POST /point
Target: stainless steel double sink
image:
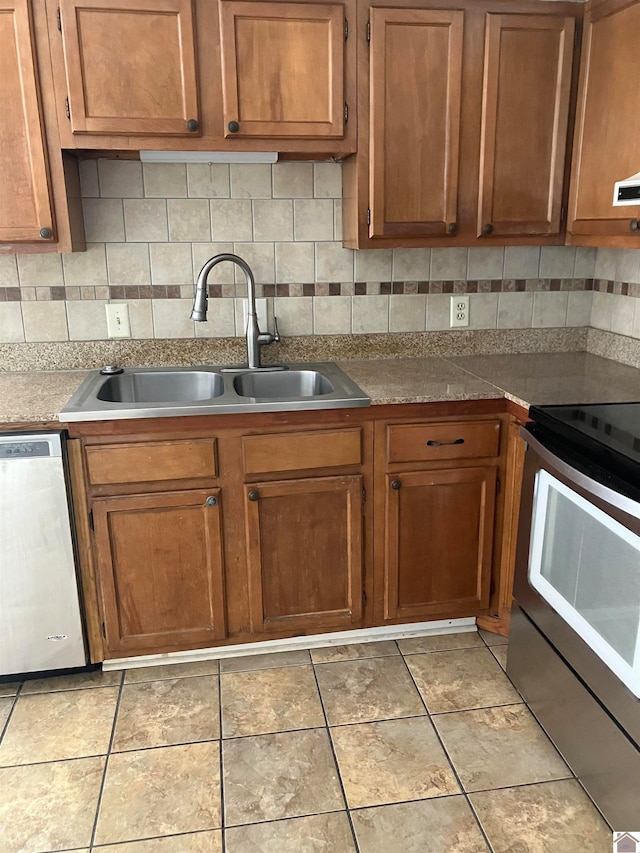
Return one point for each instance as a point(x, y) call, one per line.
point(166, 392)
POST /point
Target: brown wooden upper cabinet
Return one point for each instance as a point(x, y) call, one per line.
point(606, 146)
point(130, 67)
point(283, 68)
point(463, 132)
point(26, 212)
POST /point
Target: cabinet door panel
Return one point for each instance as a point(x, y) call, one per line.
point(283, 68)
point(304, 549)
point(439, 533)
point(25, 204)
point(160, 564)
point(131, 66)
point(416, 72)
point(525, 108)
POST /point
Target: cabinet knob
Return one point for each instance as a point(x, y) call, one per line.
point(634, 225)
point(452, 227)
point(45, 233)
point(395, 485)
point(487, 229)
point(193, 125)
point(212, 501)
point(233, 126)
point(253, 495)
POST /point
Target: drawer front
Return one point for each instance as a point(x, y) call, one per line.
point(300, 451)
point(451, 440)
point(152, 461)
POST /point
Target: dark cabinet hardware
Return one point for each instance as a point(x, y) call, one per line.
point(434, 443)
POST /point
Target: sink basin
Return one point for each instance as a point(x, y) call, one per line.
point(161, 387)
point(283, 384)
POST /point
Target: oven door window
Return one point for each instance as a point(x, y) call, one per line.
point(586, 565)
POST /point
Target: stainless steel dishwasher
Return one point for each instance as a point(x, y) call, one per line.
point(40, 617)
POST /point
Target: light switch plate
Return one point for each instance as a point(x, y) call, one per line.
point(459, 310)
point(118, 325)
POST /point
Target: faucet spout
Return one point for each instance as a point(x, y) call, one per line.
point(255, 338)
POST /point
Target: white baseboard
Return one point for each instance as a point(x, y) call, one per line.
point(289, 644)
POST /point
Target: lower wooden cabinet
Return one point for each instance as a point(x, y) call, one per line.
point(437, 543)
point(305, 553)
point(160, 564)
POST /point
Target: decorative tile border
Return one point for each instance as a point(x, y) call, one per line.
point(619, 288)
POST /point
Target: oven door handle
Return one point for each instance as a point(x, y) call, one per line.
point(583, 481)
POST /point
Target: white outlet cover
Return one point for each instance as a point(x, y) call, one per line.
point(459, 310)
point(118, 325)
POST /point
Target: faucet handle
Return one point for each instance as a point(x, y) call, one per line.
point(276, 333)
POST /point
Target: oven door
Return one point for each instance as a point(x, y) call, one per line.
point(578, 576)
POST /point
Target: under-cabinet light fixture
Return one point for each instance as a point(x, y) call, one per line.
point(209, 156)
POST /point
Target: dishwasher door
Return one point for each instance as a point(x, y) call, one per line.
point(40, 621)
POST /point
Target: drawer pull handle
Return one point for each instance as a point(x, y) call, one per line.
point(433, 443)
point(211, 501)
point(253, 495)
point(395, 485)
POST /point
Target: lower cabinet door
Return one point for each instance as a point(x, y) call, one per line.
point(304, 552)
point(160, 563)
point(438, 543)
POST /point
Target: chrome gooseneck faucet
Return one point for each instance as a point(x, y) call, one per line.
point(255, 338)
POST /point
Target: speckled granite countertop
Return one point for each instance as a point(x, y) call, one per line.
point(527, 379)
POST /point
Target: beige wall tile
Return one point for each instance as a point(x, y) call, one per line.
point(373, 265)
point(145, 220)
point(370, 314)
point(585, 265)
point(140, 317)
point(515, 310)
point(222, 273)
point(8, 271)
point(189, 219)
point(485, 262)
point(601, 310)
point(327, 180)
point(164, 180)
point(483, 310)
point(333, 262)
point(635, 331)
point(550, 309)
point(231, 219)
point(89, 186)
point(103, 219)
point(408, 313)
point(313, 219)
point(579, 307)
point(221, 321)
point(260, 257)
point(295, 263)
point(337, 219)
point(332, 315)
point(171, 318)
point(250, 180)
point(622, 314)
point(85, 268)
point(521, 261)
point(171, 263)
point(557, 261)
point(292, 180)
point(45, 321)
point(208, 180)
point(11, 328)
point(448, 264)
point(128, 263)
point(120, 178)
point(272, 219)
point(87, 320)
point(628, 265)
point(295, 314)
point(438, 311)
point(411, 264)
point(606, 260)
point(40, 270)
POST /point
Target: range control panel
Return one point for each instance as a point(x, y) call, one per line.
point(25, 449)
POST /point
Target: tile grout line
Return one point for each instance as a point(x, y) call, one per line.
point(223, 840)
point(11, 710)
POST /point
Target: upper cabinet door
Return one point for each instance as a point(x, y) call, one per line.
point(525, 110)
point(282, 69)
point(130, 66)
point(25, 204)
point(416, 73)
point(607, 140)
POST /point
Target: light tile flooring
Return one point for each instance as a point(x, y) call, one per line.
point(423, 746)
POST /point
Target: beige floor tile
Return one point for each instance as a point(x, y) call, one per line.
point(325, 833)
point(51, 726)
point(77, 681)
point(170, 670)
point(500, 654)
point(460, 680)
point(392, 761)
point(270, 700)
point(542, 818)
point(492, 639)
point(160, 792)
point(49, 806)
point(360, 691)
point(499, 748)
point(354, 651)
point(9, 688)
point(440, 642)
point(194, 842)
point(427, 826)
point(245, 663)
point(160, 713)
point(274, 776)
point(5, 709)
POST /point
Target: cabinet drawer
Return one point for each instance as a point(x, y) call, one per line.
point(152, 461)
point(432, 442)
point(300, 451)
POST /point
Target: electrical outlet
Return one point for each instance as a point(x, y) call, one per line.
point(459, 310)
point(118, 325)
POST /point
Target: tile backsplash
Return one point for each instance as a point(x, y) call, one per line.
point(150, 228)
point(616, 297)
